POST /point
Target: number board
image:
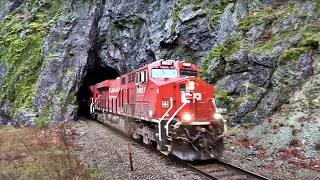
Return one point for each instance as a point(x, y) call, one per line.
point(167, 63)
point(186, 64)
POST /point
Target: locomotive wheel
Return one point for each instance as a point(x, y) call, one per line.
point(94, 116)
point(218, 149)
point(160, 145)
point(131, 129)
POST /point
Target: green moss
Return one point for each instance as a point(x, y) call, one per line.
point(215, 16)
point(292, 54)
point(173, 27)
point(226, 50)
point(261, 107)
point(185, 54)
point(263, 46)
point(251, 97)
point(219, 8)
point(192, 58)
point(245, 24)
point(214, 52)
point(240, 100)
point(176, 11)
point(175, 15)
point(310, 39)
point(24, 55)
point(197, 4)
point(187, 2)
point(73, 99)
point(116, 27)
point(41, 122)
point(234, 106)
point(222, 95)
point(317, 2)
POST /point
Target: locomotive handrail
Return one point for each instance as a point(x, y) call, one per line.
point(91, 101)
point(161, 119)
point(225, 128)
point(214, 105)
point(175, 113)
point(91, 106)
point(141, 101)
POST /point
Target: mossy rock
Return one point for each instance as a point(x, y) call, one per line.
point(218, 53)
point(292, 54)
point(311, 39)
point(24, 55)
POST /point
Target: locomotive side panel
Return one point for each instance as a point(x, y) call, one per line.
point(114, 94)
point(141, 85)
point(150, 99)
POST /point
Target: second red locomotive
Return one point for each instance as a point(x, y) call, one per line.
point(164, 103)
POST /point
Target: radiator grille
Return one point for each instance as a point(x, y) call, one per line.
point(144, 110)
point(138, 112)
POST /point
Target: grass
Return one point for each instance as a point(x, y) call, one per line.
point(34, 153)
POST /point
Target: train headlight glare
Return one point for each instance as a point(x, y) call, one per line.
point(217, 116)
point(187, 117)
point(191, 85)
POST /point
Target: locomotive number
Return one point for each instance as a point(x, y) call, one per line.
point(184, 97)
point(141, 90)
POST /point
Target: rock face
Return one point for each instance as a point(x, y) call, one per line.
point(257, 53)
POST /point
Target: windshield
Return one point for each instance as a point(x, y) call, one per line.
point(164, 73)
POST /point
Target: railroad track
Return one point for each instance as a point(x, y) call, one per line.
point(213, 169)
point(220, 170)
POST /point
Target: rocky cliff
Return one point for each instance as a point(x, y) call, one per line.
point(257, 53)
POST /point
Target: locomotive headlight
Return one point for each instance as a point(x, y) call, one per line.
point(217, 116)
point(187, 117)
point(191, 85)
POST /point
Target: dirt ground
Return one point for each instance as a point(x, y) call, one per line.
point(250, 156)
point(87, 150)
point(35, 153)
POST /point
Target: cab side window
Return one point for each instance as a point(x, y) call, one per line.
point(141, 77)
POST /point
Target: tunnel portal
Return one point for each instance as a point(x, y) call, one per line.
point(93, 76)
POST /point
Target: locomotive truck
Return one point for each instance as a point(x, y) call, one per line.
point(165, 104)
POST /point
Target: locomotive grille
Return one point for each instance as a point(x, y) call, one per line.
point(138, 112)
point(141, 109)
point(144, 110)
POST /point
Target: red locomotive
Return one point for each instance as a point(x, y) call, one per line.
point(166, 104)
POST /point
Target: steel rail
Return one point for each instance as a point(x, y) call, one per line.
point(232, 171)
point(244, 170)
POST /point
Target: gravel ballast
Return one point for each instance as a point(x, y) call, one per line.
point(96, 145)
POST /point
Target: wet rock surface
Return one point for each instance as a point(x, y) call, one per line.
point(267, 44)
point(96, 148)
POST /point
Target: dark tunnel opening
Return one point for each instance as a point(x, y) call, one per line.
point(93, 76)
